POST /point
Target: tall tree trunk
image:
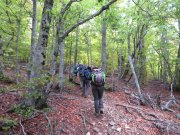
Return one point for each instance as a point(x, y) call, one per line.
point(164, 53)
point(17, 51)
point(76, 47)
point(1, 59)
point(33, 41)
point(142, 57)
point(40, 50)
point(112, 75)
point(70, 60)
point(17, 43)
point(104, 53)
point(120, 65)
point(39, 56)
point(176, 83)
point(89, 53)
point(61, 66)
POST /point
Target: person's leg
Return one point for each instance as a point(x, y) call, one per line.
point(96, 101)
point(87, 87)
point(83, 87)
point(81, 82)
point(100, 97)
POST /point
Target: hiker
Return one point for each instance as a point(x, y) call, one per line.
point(86, 81)
point(98, 81)
point(74, 72)
point(81, 69)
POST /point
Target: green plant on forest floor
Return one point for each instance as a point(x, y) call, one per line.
point(23, 110)
point(7, 123)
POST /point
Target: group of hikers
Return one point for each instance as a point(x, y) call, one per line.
point(95, 78)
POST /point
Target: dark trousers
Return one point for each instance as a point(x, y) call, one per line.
point(86, 87)
point(98, 97)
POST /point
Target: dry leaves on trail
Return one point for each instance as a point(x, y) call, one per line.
point(70, 113)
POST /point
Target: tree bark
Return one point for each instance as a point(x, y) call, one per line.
point(104, 51)
point(142, 57)
point(76, 47)
point(89, 53)
point(136, 81)
point(17, 43)
point(61, 66)
point(33, 41)
point(1, 58)
point(40, 54)
point(17, 50)
point(176, 83)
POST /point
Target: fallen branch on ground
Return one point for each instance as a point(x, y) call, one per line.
point(60, 96)
point(24, 133)
point(49, 124)
point(84, 121)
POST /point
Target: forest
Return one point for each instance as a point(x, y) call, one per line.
point(136, 43)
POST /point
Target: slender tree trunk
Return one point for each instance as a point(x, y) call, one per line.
point(76, 47)
point(1, 59)
point(176, 83)
point(142, 57)
point(70, 60)
point(17, 47)
point(136, 80)
point(90, 52)
point(56, 50)
point(104, 52)
point(133, 71)
point(112, 75)
point(120, 65)
point(33, 41)
point(18, 21)
point(163, 44)
point(88, 48)
point(52, 40)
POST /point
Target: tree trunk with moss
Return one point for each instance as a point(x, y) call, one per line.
point(33, 41)
point(104, 52)
point(40, 50)
point(176, 83)
point(39, 95)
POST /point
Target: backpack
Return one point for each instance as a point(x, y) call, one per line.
point(74, 70)
point(98, 77)
point(81, 70)
point(87, 74)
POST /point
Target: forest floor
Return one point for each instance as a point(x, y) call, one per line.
point(71, 114)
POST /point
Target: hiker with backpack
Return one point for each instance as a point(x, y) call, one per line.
point(98, 81)
point(74, 73)
point(86, 81)
point(81, 69)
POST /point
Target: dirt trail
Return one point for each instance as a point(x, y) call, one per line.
point(72, 114)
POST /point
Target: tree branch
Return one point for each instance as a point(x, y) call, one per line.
point(141, 8)
point(24, 133)
point(67, 6)
point(87, 19)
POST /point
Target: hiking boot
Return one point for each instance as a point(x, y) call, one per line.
point(101, 111)
point(85, 96)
